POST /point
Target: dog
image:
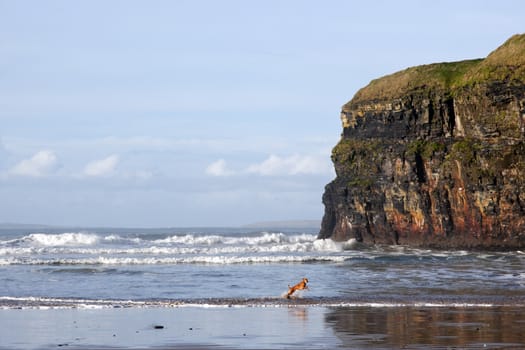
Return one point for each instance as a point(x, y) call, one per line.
point(299, 286)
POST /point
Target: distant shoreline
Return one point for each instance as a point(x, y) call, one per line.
point(9, 225)
point(285, 224)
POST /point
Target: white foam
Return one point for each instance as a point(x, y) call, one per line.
point(16, 251)
point(63, 239)
point(191, 240)
point(54, 248)
point(327, 245)
point(352, 243)
point(153, 260)
point(44, 303)
point(117, 238)
point(9, 261)
point(265, 239)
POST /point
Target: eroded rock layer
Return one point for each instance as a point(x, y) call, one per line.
point(434, 156)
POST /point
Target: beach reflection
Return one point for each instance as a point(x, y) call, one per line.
point(299, 313)
point(429, 327)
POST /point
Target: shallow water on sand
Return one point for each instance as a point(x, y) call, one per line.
point(294, 327)
point(429, 327)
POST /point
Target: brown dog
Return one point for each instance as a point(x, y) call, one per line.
point(299, 286)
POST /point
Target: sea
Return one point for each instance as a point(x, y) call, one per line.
point(224, 288)
point(111, 267)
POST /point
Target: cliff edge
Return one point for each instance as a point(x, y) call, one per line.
point(434, 156)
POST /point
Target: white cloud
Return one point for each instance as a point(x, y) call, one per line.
point(219, 168)
point(291, 165)
point(102, 167)
point(278, 166)
point(40, 164)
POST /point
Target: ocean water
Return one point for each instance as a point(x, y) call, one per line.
point(109, 268)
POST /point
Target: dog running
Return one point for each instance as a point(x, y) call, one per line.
point(299, 286)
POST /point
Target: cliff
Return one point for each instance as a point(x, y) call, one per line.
point(434, 156)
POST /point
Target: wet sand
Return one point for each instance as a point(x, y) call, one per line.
point(265, 327)
point(429, 327)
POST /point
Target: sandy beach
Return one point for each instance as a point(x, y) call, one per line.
point(291, 327)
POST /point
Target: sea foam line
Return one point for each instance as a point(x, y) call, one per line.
point(212, 260)
point(86, 239)
point(7, 302)
point(299, 247)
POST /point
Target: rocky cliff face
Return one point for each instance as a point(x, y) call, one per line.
point(434, 156)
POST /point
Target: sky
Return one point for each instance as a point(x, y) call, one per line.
point(201, 113)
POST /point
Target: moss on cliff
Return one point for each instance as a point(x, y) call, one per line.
point(465, 150)
point(437, 76)
point(507, 63)
point(424, 148)
point(358, 160)
point(352, 154)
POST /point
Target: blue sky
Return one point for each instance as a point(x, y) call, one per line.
point(201, 113)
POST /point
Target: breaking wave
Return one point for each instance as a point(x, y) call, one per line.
point(52, 240)
point(64, 239)
point(84, 248)
point(86, 239)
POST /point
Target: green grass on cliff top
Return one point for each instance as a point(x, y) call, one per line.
point(506, 63)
